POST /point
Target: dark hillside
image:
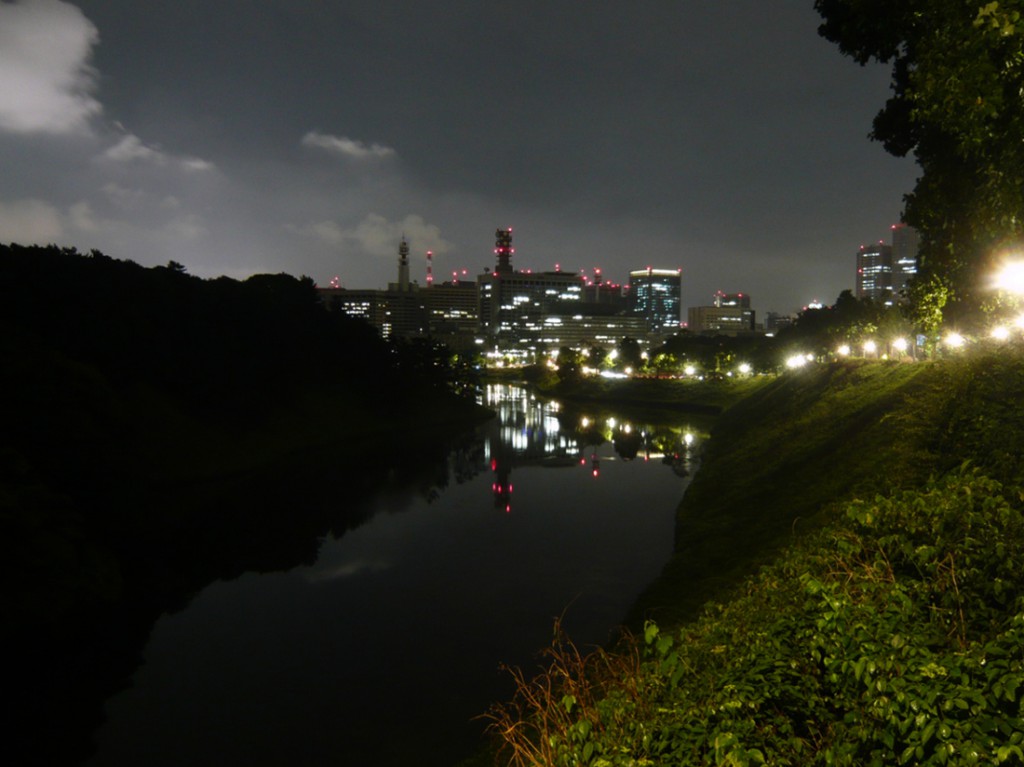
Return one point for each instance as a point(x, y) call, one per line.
point(220, 346)
point(163, 431)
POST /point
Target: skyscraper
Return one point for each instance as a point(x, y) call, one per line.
point(905, 243)
point(512, 301)
point(875, 273)
point(656, 294)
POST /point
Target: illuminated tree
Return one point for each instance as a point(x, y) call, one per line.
point(957, 104)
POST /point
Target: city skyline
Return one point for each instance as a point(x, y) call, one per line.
point(726, 139)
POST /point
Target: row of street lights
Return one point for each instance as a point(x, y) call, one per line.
point(1009, 279)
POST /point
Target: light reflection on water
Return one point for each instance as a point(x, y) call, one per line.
point(384, 649)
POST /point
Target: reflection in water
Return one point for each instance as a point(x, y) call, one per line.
point(401, 623)
point(529, 431)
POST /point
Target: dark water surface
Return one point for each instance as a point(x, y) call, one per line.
point(384, 649)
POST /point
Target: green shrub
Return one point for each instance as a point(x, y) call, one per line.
point(894, 637)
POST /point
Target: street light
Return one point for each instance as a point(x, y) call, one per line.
point(954, 341)
point(796, 361)
point(1011, 278)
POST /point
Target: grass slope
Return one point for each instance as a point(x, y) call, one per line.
point(883, 504)
point(779, 459)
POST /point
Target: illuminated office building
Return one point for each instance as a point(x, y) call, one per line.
point(398, 311)
point(729, 314)
point(656, 295)
point(512, 303)
point(905, 244)
point(875, 273)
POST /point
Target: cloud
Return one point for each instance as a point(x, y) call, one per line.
point(46, 82)
point(30, 222)
point(347, 570)
point(82, 217)
point(375, 235)
point(195, 165)
point(346, 147)
point(120, 197)
point(187, 227)
point(131, 149)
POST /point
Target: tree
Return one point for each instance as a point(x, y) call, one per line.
point(958, 105)
point(568, 364)
point(629, 353)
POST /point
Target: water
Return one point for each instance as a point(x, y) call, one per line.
point(385, 649)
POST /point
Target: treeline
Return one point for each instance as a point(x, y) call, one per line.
point(162, 431)
point(117, 375)
point(222, 346)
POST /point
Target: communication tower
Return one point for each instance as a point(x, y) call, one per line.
point(503, 250)
point(403, 266)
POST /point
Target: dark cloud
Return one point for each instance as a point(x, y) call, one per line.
point(238, 136)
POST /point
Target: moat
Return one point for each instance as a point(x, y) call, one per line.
point(386, 647)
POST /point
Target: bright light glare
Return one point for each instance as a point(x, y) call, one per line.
point(744, 368)
point(688, 439)
point(844, 350)
point(1011, 277)
point(1000, 333)
point(796, 361)
point(612, 374)
point(900, 344)
point(1019, 322)
point(689, 370)
point(870, 347)
point(954, 341)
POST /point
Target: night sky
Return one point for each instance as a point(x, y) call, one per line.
point(723, 137)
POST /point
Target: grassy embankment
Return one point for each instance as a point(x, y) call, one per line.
point(869, 592)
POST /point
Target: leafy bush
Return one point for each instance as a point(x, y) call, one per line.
point(894, 637)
